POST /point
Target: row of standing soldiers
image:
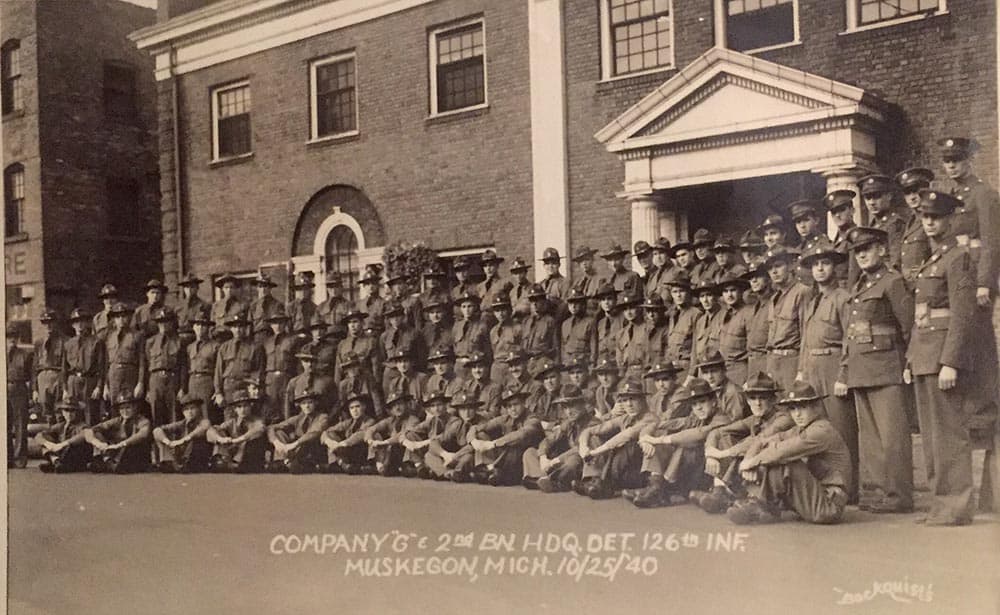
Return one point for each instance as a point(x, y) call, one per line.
point(896, 334)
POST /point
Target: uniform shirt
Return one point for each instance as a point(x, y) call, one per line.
point(589, 285)
point(279, 351)
point(519, 299)
point(333, 310)
point(760, 320)
point(541, 405)
point(784, 330)
point(630, 345)
point(681, 338)
point(732, 270)
point(732, 402)
point(406, 339)
point(657, 340)
point(690, 431)
point(847, 272)
point(914, 250)
point(437, 382)
point(470, 336)
point(50, 353)
point(485, 391)
point(238, 360)
point(894, 223)
point(350, 431)
point(166, 352)
point(760, 426)
point(263, 307)
point(189, 309)
point(413, 382)
point(734, 332)
point(823, 318)
point(19, 366)
point(705, 338)
point(119, 429)
point(556, 286)
point(142, 319)
point(201, 357)
point(505, 337)
point(436, 335)
point(877, 330)
point(491, 288)
point(300, 313)
point(251, 426)
point(540, 335)
point(427, 429)
point(945, 323)
point(455, 437)
point(607, 333)
point(520, 432)
point(979, 218)
point(308, 427)
point(196, 428)
point(102, 322)
point(705, 270)
point(125, 346)
point(85, 355)
point(654, 280)
point(64, 431)
point(565, 436)
point(579, 338)
point(364, 348)
point(625, 281)
point(391, 427)
point(818, 443)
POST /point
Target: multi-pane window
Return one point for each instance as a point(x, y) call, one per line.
point(873, 11)
point(334, 102)
point(231, 119)
point(459, 68)
point(342, 258)
point(755, 24)
point(123, 205)
point(10, 90)
point(641, 37)
point(119, 91)
point(13, 200)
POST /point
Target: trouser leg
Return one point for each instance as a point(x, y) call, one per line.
point(17, 425)
point(885, 448)
point(531, 464)
point(943, 419)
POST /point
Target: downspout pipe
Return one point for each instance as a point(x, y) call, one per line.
point(178, 196)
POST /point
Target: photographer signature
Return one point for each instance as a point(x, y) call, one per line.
point(900, 591)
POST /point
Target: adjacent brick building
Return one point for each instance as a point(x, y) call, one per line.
point(81, 186)
point(312, 133)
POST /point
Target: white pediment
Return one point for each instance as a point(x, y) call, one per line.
point(725, 92)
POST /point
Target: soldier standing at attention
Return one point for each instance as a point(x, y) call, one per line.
point(228, 303)
point(705, 337)
point(630, 345)
point(264, 305)
point(680, 341)
point(578, 337)
point(555, 285)
point(301, 308)
point(362, 347)
point(166, 362)
point(102, 319)
point(657, 330)
point(539, 331)
point(877, 331)
point(505, 336)
point(916, 247)
point(201, 355)
point(661, 267)
point(879, 192)
point(86, 365)
point(784, 333)
point(759, 298)
point(19, 378)
point(622, 278)
point(588, 281)
point(371, 301)
point(705, 267)
point(608, 321)
point(238, 359)
point(142, 319)
point(279, 348)
point(772, 230)
point(125, 349)
point(190, 305)
point(50, 354)
point(493, 285)
point(463, 285)
point(805, 216)
point(520, 288)
point(951, 355)
point(436, 331)
point(734, 321)
point(840, 205)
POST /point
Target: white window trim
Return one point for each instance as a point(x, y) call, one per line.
point(432, 57)
point(215, 120)
point(313, 108)
point(607, 50)
point(721, 34)
point(465, 251)
point(854, 25)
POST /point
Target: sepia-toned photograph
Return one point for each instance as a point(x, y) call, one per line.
point(501, 306)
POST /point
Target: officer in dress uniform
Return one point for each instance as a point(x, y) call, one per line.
point(143, 318)
point(20, 376)
point(876, 334)
point(190, 305)
point(50, 354)
point(879, 194)
point(840, 206)
point(86, 365)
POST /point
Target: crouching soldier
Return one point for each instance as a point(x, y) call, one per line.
point(725, 446)
point(450, 457)
point(240, 442)
point(383, 438)
point(347, 451)
point(673, 450)
point(499, 443)
point(63, 445)
point(805, 469)
point(610, 450)
point(121, 444)
point(418, 438)
point(183, 445)
point(556, 463)
point(296, 439)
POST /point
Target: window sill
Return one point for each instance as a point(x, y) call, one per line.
point(878, 25)
point(463, 113)
point(751, 52)
point(342, 137)
point(18, 238)
point(13, 115)
point(225, 162)
point(642, 73)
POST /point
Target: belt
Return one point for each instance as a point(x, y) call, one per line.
point(965, 240)
point(163, 369)
point(81, 374)
point(821, 352)
point(201, 374)
point(784, 352)
point(276, 371)
point(120, 364)
point(48, 369)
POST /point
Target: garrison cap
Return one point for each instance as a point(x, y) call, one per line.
point(876, 183)
point(915, 177)
point(839, 199)
point(822, 248)
point(958, 147)
point(861, 236)
point(937, 203)
point(799, 392)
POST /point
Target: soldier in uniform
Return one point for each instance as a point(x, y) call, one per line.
point(402, 376)
point(470, 333)
point(383, 438)
point(877, 331)
point(400, 336)
point(360, 346)
point(166, 364)
point(643, 253)
point(823, 319)
point(417, 439)
point(879, 194)
point(539, 330)
point(661, 266)
point(238, 359)
point(726, 260)
point(608, 321)
point(505, 336)
point(347, 451)
point(434, 291)
point(190, 305)
point(86, 365)
point(63, 445)
point(541, 401)
point(201, 354)
point(50, 354)
point(301, 309)
point(264, 305)
point(126, 352)
point(784, 334)
point(840, 206)
point(463, 285)
point(493, 285)
point(680, 341)
point(279, 349)
point(683, 255)
point(183, 445)
point(296, 439)
point(555, 285)
point(228, 303)
point(760, 318)
point(805, 215)
point(951, 355)
point(436, 331)
point(122, 443)
point(578, 337)
point(499, 443)
point(705, 267)
point(630, 343)
point(241, 441)
point(451, 457)
point(705, 337)
point(20, 376)
point(143, 320)
point(915, 246)
point(804, 468)
point(734, 320)
point(520, 288)
point(773, 230)
point(588, 281)
point(102, 319)
point(657, 329)
point(752, 249)
point(555, 463)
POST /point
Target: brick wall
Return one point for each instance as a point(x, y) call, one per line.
point(463, 180)
point(81, 148)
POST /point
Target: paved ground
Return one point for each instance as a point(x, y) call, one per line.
point(203, 544)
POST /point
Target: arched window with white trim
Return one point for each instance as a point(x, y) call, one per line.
point(341, 257)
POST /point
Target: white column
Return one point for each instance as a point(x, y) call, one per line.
point(645, 219)
point(549, 170)
point(719, 13)
point(845, 178)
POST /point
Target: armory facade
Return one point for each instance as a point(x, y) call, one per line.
point(309, 134)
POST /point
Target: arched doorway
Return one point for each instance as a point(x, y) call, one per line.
point(341, 258)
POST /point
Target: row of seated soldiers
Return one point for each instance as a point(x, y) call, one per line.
point(849, 332)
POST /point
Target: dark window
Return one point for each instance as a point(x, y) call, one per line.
point(342, 258)
point(753, 24)
point(335, 98)
point(460, 73)
point(13, 200)
point(10, 58)
point(119, 92)
point(882, 10)
point(233, 121)
point(640, 35)
point(123, 207)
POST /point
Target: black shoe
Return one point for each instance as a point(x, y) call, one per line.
point(166, 467)
point(530, 482)
point(277, 467)
point(551, 485)
point(425, 473)
point(600, 490)
point(630, 494)
point(653, 496)
point(98, 466)
point(333, 468)
point(495, 480)
point(408, 470)
point(48, 467)
point(582, 485)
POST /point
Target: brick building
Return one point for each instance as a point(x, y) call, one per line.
point(81, 184)
point(315, 132)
